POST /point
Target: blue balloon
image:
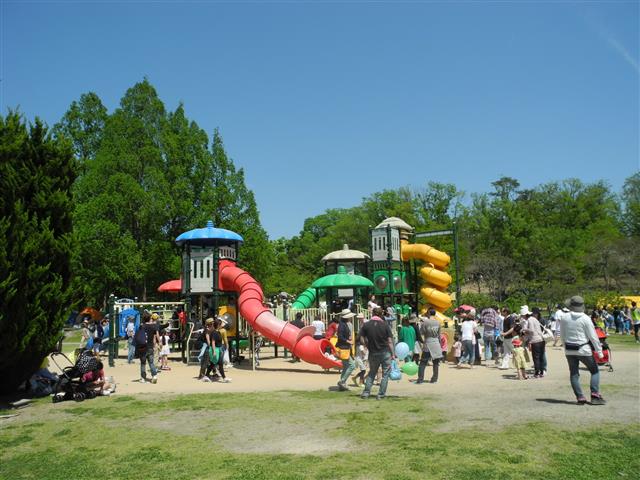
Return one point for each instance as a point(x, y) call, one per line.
point(402, 350)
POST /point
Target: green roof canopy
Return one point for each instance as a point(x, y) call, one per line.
point(342, 279)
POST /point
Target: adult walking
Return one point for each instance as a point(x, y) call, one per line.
point(377, 337)
point(468, 331)
point(145, 349)
point(344, 346)
point(537, 345)
point(430, 331)
point(579, 338)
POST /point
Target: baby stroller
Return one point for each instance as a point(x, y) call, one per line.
point(606, 350)
point(70, 385)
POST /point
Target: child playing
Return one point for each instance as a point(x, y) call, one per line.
point(444, 346)
point(457, 348)
point(361, 362)
point(164, 352)
point(95, 380)
point(519, 358)
point(258, 340)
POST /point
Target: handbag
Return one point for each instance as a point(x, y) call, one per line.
point(343, 353)
point(547, 335)
point(395, 373)
point(214, 356)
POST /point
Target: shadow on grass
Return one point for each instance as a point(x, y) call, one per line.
point(555, 401)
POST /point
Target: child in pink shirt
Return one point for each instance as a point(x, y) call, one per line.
point(444, 346)
point(457, 349)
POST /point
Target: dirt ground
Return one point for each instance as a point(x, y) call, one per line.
point(495, 396)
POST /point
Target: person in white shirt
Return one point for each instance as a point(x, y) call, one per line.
point(468, 330)
point(555, 327)
point(580, 340)
point(319, 326)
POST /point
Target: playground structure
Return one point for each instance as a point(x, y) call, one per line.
point(213, 285)
point(395, 267)
point(209, 269)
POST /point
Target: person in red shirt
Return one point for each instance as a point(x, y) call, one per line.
point(331, 329)
point(95, 380)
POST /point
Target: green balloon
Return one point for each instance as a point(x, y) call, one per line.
point(410, 368)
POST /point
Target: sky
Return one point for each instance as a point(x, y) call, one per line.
point(323, 103)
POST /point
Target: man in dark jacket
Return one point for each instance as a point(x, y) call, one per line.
point(376, 335)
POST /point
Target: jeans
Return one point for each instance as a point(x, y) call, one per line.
point(377, 359)
point(131, 354)
point(348, 366)
point(537, 352)
point(507, 345)
point(144, 358)
point(490, 347)
point(468, 352)
point(574, 373)
point(426, 355)
point(627, 326)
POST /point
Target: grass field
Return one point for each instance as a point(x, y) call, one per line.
point(295, 435)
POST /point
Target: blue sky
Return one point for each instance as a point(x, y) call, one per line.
point(324, 103)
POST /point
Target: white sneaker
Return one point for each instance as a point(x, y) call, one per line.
point(226, 380)
point(142, 380)
point(154, 379)
point(205, 379)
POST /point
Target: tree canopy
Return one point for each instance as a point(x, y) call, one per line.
point(148, 176)
point(36, 175)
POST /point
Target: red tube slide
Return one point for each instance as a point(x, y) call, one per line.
point(299, 341)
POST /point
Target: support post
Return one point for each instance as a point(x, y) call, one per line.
point(113, 346)
point(455, 259)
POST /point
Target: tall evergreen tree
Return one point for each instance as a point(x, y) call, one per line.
point(36, 176)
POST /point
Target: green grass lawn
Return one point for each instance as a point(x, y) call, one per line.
point(626, 342)
point(257, 436)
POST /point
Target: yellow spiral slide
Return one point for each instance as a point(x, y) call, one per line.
point(432, 273)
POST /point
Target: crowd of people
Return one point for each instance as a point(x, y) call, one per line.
point(491, 336)
point(507, 340)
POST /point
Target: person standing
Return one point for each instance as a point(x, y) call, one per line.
point(635, 317)
point(85, 336)
point(378, 339)
point(371, 304)
point(130, 331)
point(98, 335)
point(391, 318)
point(579, 338)
point(297, 322)
point(537, 345)
point(468, 330)
point(489, 323)
point(407, 335)
point(430, 331)
point(509, 329)
point(145, 348)
point(345, 345)
point(555, 324)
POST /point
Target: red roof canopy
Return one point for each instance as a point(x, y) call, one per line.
point(173, 286)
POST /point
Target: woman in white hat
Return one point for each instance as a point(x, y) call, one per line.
point(580, 340)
